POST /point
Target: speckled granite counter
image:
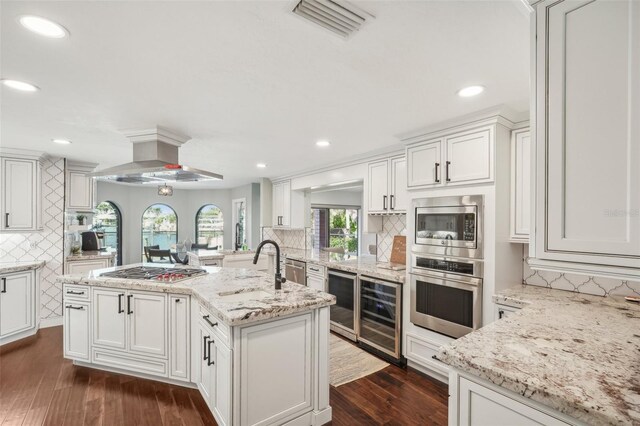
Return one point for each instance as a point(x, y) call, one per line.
point(576, 353)
point(91, 255)
point(365, 265)
point(211, 289)
point(9, 267)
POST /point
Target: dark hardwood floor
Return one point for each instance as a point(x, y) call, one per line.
point(38, 386)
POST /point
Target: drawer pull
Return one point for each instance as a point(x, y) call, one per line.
point(212, 324)
point(79, 293)
point(79, 308)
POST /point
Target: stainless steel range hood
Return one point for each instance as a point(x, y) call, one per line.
point(155, 160)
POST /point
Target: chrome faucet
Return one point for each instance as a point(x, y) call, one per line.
point(279, 280)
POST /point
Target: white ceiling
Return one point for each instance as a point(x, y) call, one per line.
point(252, 82)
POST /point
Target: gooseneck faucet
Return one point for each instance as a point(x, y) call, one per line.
point(279, 280)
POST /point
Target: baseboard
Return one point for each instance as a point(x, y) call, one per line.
point(51, 322)
point(429, 372)
point(136, 374)
point(322, 417)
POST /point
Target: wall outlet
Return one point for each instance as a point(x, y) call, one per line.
point(32, 245)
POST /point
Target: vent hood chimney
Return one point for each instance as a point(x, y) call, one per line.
point(155, 160)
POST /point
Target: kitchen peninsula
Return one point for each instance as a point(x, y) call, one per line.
point(258, 356)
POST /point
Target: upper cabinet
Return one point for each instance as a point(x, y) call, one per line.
point(387, 186)
point(79, 186)
point(460, 158)
point(290, 209)
point(20, 191)
point(520, 185)
point(587, 133)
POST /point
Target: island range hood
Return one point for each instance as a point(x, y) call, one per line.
point(155, 160)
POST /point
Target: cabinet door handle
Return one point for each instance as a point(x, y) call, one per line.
point(204, 346)
point(437, 177)
point(129, 311)
point(500, 314)
point(392, 202)
point(206, 318)
point(6, 220)
point(210, 361)
point(4, 285)
point(120, 310)
point(447, 171)
point(384, 202)
point(79, 308)
point(75, 292)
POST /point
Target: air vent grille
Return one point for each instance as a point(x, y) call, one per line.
point(340, 17)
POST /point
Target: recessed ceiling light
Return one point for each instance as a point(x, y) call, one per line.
point(323, 144)
point(22, 86)
point(43, 27)
point(470, 91)
point(261, 165)
point(61, 141)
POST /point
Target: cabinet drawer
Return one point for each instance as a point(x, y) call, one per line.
point(215, 324)
point(313, 269)
point(157, 367)
point(72, 291)
point(422, 351)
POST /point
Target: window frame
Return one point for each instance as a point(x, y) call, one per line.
point(197, 230)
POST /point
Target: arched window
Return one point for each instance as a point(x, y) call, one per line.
point(159, 227)
point(108, 219)
point(210, 226)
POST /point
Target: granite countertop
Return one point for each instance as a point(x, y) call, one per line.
point(210, 290)
point(365, 265)
point(206, 254)
point(91, 255)
point(576, 353)
point(8, 267)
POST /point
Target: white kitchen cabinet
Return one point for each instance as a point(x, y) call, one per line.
point(16, 303)
point(587, 138)
point(84, 266)
point(387, 186)
point(206, 374)
point(475, 402)
point(316, 282)
point(424, 164)
point(179, 337)
point(520, 185)
point(109, 318)
point(79, 186)
point(77, 320)
point(316, 276)
point(461, 157)
point(504, 311)
point(20, 194)
point(282, 203)
point(148, 323)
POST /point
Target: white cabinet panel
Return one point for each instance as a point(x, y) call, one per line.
point(222, 396)
point(520, 185)
point(504, 311)
point(180, 338)
point(83, 266)
point(316, 282)
point(469, 157)
point(282, 203)
point(80, 191)
point(378, 186)
point(424, 164)
point(20, 192)
point(147, 323)
point(398, 197)
point(77, 330)
point(16, 303)
point(206, 374)
point(109, 318)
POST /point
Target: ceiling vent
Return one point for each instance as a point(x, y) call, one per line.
point(339, 17)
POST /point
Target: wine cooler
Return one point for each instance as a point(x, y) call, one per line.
point(380, 315)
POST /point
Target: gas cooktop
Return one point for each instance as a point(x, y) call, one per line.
point(155, 273)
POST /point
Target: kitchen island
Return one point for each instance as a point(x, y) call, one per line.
point(257, 355)
point(560, 358)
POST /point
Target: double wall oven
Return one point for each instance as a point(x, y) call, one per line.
point(446, 264)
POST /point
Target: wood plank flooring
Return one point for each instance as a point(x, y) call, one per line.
point(39, 387)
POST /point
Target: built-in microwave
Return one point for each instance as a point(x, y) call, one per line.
point(449, 226)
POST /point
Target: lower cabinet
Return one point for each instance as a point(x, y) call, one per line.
point(473, 401)
point(83, 266)
point(179, 337)
point(18, 305)
point(77, 330)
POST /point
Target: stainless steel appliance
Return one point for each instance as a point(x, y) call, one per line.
point(344, 314)
point(92, 240)
point(449, 226)
point(295, 271)
point(155, 273)
point(446, 294)
point(380, 315)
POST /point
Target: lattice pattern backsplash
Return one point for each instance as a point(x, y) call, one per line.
point(391, 226)
point(46, 245)
point(291, 238)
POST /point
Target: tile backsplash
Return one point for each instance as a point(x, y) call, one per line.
point(391, 226)
point(291, 238)
point(579, 283)
point(47, 245)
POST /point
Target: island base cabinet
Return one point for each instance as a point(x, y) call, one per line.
point(16, 303)
point(214, 374)
point(475, 402)
point(76, 330)
point(179, 337)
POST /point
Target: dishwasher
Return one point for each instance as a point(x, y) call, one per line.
point(295, 271)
